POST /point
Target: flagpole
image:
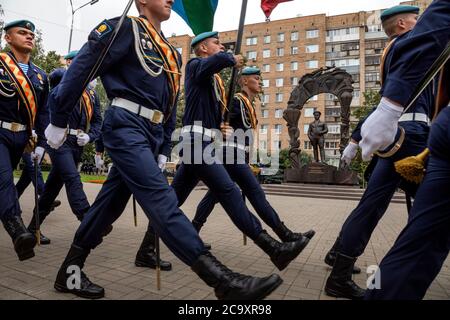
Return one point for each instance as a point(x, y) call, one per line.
point(237, 50)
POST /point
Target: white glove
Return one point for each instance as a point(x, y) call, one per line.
point(55, 136)
point(83, 139)
point(34, 135)
point(38, 154)
point(98, 161)
point(162, 160)
point(380, 128)
point(349, 153)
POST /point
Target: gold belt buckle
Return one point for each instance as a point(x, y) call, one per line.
point(15, 127)
point(157, 117)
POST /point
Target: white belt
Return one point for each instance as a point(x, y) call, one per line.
point(155, 116)
point(421, 117)
point(199, 129)
point(14, 127)
point(73, 132)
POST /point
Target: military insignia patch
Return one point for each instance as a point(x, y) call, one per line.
point(2, 72)
point(40, 77)
point(103, 29)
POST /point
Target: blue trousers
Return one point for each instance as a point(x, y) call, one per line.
point(11, 149)
point(133, 143)
point(251, 189)
point(218, 180)
point(27, 176)
point(383, 183)
point(419, 252)
point(64, 172)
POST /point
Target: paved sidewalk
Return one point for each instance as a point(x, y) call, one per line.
point(112, 264)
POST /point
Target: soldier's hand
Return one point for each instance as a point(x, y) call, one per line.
point(83, 139)
point(239, 61)
point(38, 154)
point(349, 153)
point(162, 161)
point(55, 136)
point(227, 130)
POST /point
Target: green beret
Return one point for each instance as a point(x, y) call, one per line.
point(397, 10)
point(203, 36)
point(249, 71)
point(71, 55)
point(20, 23)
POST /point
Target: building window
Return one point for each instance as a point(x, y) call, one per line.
point(263, 144)
point(374, 28)
point(331, 145)
point(312, 48)
point(294, 81)
point(252, 41)
point(278, 113)
point(278, 129)
point(279, 82)
point(294, 36)
point(373, 77)
point(251, 55)
point(334, 128)
point(294, 50)
point(266, 68)
point(350, 46)
point(264, 114)
point(264, 128)
point(307, 145)
point(266, 39)
point(309, 112)
point(315, 98)
point(371, 61)
point(279, 97)
point(266, 53)
point(280, 37)
point(265, 98)
point(312, 64)
point(280, 67)
point(180, 50)
point(305, 128)
point(280, 52)
point(294, 65)
point(266, 83)
point(312, 34)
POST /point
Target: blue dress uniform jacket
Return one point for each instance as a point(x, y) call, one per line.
point(130, 71)
point(419, 252)
point(13, 144)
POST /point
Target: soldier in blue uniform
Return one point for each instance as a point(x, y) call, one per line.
point(418, 254)
point(84, 125)
point(243, 120)
point(384, 180)
point(202, 121)
point(28, 176)
point(141, 75)
point(23, 98)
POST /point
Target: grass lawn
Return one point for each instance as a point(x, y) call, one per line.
point(84, 177)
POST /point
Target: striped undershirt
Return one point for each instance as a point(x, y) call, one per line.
point(24, 67)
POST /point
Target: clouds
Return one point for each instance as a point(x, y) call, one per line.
point(53, 17)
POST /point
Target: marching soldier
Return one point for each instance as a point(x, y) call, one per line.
point(244, 121)
point(205, 104)
point(84, 125)
point(418, 254)
point(384, 180)
point(27, 176)
point(23, 96)
point(141, 74)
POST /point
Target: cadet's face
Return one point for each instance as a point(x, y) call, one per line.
point(20, 39)
point(213, 46)
point(410, 20)
point(160, 8)
point(253, 83)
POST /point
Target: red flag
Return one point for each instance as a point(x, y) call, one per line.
point(269, 5)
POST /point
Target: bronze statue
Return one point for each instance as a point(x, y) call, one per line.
point(316, 132)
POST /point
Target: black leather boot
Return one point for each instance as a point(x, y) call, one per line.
point(32, 226)
point(146, 256)
point(198, 226)
point(229, 285)
point(24, 242)
point(331, 256)
point(281, 254)
point(67, 282)
point(339, 283)
point(287, 235)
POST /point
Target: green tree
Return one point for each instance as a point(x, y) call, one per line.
point(2, 24)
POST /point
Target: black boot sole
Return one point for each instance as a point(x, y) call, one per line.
point(290, 256)
point(329, 261)
point(270, 289)
point(63, 289)
point(259, 296)
point(150, 266)
point(309, 234)
point(338, 294)
point(24, 246)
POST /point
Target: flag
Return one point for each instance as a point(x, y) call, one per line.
point(198, 14)
point(269, 5)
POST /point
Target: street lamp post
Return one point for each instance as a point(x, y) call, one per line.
point(73, 16)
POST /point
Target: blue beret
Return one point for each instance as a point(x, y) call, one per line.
point(203, 36)
point(20, 23)
point(397, 10)
point(249, 71)
point(71, 55)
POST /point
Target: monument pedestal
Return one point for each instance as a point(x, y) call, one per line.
point(321, 173)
